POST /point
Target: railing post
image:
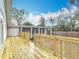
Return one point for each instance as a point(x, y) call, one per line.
point(62, 49)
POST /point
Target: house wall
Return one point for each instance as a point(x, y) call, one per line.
point(3, 26)
point(13, 31)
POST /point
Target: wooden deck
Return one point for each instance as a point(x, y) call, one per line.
point(17, 48)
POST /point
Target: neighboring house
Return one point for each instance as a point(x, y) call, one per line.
point(4, 16)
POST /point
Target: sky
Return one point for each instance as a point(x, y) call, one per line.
point(40, 6)
point(45, 8)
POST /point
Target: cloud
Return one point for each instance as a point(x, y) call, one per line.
point(34, 18)
point(37, 19)
point(65, 12)
point(73, 9)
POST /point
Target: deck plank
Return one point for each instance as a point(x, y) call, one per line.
point(16, 48)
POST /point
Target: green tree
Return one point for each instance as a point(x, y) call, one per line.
point(76, 19)
point(27, 24)
point(63, 25)
point(73, 24)
point(77, 15)
point(60, 25)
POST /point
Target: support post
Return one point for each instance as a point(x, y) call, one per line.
point(45, 31)
point(34, 31)
point(21, 29)
point(51, 31)
point(39, 30)
point(31, 32)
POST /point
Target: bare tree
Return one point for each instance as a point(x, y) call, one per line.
point(72, 1)
point(18, 15)
point(42, 22)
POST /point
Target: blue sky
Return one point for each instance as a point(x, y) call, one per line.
point(40, 6)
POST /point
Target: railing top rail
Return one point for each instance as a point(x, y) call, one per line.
point(69, 39)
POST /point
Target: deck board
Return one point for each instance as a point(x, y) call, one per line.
point(17, 48)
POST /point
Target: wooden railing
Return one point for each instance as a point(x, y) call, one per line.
point(64, 47)
point(25, 36)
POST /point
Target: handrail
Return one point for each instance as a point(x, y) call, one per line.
point(70, 39)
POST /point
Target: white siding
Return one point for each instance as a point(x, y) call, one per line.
point(1, 34)
point(3, 26)
point(13, 31)
point(2, 7)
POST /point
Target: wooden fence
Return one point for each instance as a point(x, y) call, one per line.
point(64, 47)
point(66, 33)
